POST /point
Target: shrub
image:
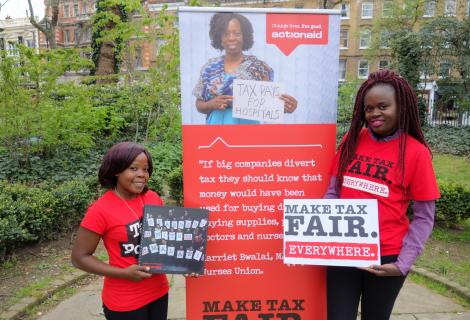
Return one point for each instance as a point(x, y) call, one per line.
point(450, 140)
point(32, 214)
point(454, 205)
point(175, 182)
point(166, 158)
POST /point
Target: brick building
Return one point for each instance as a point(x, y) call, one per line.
point(74, 24)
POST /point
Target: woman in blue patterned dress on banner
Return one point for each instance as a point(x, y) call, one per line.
point(232, 33)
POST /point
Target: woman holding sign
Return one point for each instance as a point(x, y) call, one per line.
point(129, 290)
point(383, 156)
point(233, 34)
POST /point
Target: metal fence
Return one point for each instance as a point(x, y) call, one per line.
point(449, 117)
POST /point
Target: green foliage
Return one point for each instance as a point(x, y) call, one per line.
point(110, 25)
point(346, 97)
point(39, 115)
point(450, 40)
point(454, 204)
point(449, 140)
point(422, 111)
point(175, 182)
point(166, 157)
point(407, 52)
point(32, 213)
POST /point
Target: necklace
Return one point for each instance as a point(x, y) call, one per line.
point(127, 205)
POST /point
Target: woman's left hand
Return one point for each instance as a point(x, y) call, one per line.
point(384, 270)
point(290, 103)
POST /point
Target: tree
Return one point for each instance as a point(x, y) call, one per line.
point(113, 28)
point(395, 35)
point(40, 114)
point(449, 39)
point(50, 25)
point(346, 96)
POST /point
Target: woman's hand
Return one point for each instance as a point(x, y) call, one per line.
point(136, 273)
point(384, 270)
point(290, 103)
point(217, 103)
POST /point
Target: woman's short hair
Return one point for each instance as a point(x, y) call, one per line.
point(117, 159)
point(219, 23)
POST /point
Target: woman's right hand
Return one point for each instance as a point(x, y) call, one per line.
point(136, 273)
point(219, 102)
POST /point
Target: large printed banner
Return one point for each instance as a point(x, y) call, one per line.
point(332, 232)
point(241, 166)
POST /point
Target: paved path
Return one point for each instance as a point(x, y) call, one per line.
point(414, 303)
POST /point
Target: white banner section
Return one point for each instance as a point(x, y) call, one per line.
point(333, 232)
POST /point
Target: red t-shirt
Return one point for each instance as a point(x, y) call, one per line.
point(119, 227)
point(373, 174)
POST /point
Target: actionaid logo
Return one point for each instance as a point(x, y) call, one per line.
point(287, 31)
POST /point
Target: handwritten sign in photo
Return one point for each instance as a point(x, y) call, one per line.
point(173, 239)
point(258, 100)
point(333, 232)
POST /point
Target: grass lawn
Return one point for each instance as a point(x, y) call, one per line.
point(447, 252)
point(452, 168)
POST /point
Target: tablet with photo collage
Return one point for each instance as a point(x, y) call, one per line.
point(173, 239)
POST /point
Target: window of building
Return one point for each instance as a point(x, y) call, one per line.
point(12, 49)
point(445, 68)
point(450, 8)
point(468, 8)
point(76, 36)
point(367, 10)
point(66, 10)
point(86, 36)
point(344, 39)
point(364, 39)
point(2, 44)
point(342, 69)
point(384, 64)
point(30, 44)
point(363, 69)
point(387, 9)
point(66, 36)
point(75, 10)
point(429, 8)
point(138, 57)
point(345, 11)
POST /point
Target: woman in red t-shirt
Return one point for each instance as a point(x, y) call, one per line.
point(129, 290)
point(384, 156)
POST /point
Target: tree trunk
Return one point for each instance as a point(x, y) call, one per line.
point(106, 63)
point(49, 28)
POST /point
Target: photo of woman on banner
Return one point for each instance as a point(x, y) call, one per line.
point(383, 156)
point(231, 33)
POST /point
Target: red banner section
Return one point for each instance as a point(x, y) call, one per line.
point(331, 250)
point(242, 173)
point(287, 31)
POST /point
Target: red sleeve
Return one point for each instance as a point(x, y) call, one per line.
point(94, 219)
point(423, 184)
